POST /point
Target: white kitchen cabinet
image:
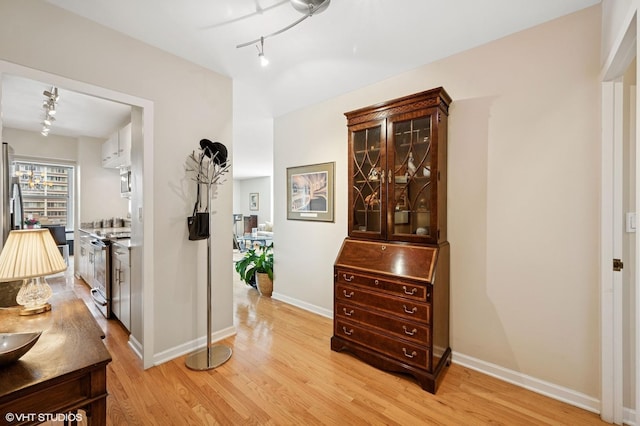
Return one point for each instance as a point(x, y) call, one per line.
point(84, 250)
point(110, 151)
point(121, 284)
point(116, 151)
point(124, 145)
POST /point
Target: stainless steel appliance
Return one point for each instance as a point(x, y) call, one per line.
point(125, 182)
point(100, 260)
point(11, 207)
point(11, 215)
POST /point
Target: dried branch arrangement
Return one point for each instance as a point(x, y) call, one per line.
point(206, 170)
point(209, 163)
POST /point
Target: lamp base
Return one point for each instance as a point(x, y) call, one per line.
point(33, 295)
point(36, 309)
point(208, 358)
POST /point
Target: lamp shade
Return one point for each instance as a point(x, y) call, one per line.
point(30, 253)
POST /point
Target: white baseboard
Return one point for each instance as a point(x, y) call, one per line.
point(327, 313)
point(192, 345)
point(551, 390)
point(628, 417)
point(135, 346)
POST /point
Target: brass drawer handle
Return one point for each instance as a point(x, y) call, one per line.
point(347, 279)
point(412, 311)
point(413, 290)
point(347, 332)
point(347, 313)
point(409, 333)
point(411, 355)
point(348, 295)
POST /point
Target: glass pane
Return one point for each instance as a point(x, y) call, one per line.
point(46, 192)
point(366, 179)
point(412, 189)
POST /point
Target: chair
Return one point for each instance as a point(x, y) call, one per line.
point(250, 222)
point(59, 234)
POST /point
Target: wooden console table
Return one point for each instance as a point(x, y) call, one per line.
point(65, 371)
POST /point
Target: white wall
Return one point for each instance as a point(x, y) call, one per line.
point(189, 103)
point(523, 198)
point(32, 144)
point(242, 189)
point(99, 188)
point(255, 124)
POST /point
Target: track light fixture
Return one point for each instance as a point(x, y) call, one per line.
point(48, 120)
point(52, 95)
point(306, 7)
point(49, 105)
point(263, 59)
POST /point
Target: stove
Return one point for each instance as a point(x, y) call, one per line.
point(100, 260)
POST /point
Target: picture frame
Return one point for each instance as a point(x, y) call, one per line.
point(310, 192)
point(254, 201)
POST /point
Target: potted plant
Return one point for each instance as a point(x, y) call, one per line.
point(257, 266)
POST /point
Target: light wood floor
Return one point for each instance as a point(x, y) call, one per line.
point(282, 372)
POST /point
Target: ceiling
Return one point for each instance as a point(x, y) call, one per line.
point(352, 44)
point(77, 114)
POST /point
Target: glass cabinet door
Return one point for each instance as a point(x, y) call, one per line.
point(412, 191)
point(367, 195)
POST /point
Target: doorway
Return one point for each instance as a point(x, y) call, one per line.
point(142, 254)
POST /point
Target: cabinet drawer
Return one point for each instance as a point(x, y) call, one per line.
point(406, 308)
point(417, 333)
point(406, 352)
point(400, 288)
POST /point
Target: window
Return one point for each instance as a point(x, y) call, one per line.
point(47, 192)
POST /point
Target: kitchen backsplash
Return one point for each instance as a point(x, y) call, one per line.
point(112, 222)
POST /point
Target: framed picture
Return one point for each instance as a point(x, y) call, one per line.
point(310, 192)
point(254, 201)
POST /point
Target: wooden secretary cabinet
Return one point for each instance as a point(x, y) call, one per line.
point(391, 276)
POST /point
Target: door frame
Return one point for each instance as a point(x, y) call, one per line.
point(624, 51)
point(142, 218)
point(611, 244)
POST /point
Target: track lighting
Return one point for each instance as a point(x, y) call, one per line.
point(53, 94)
point(49, 119)
point(306, 7)
point(263, 59)
point(49, 105)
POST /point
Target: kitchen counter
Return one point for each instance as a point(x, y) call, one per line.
point(124, 242)
point(106, 232)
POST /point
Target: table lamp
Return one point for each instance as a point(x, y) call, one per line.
point(29, 255)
